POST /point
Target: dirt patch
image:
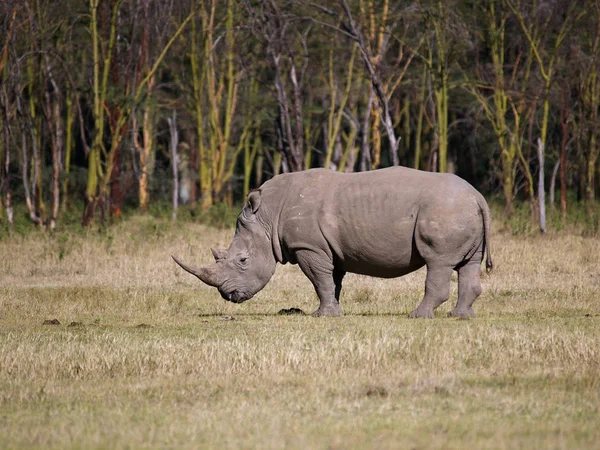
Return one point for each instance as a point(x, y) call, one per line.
point(291, 312)
point(143, 325)
point(75, 324)
point(227, 318)
point(376, 391)
point(51, 322)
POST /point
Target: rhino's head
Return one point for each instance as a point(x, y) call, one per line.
point(243, 269)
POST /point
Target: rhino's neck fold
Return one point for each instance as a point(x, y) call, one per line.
point(274, 197)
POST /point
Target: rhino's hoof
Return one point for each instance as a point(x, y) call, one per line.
point(462, 313)
point(328, 312)
point(420, 314)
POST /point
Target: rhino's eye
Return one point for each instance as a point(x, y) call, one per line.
point(243, 259)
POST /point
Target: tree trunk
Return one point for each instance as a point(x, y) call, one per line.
point(258, 168)
point(376, 135)
point(348, 157)
point(54, 117)
point(298, 153)
point(590, 185)
point(145, 150)
point(541, 187)
point(365, 150)
point(553, 182)
point(25, 171)
point(57, 149)
point(193, 167)
point(249, 157)
point(524, 160)
point(174, 143)
point(7, 195)
point(115, 185)
point(420, 116)
point(36, 187)
point(508, 182)
point(441, 96)
point(4, 171)
point(564, 128)
point(405, 115)
point(91, 190)
point(378, 87)
point(336, 111)
point(290, 150)
point(198, 80)
point(68, 149)
point(434, 161)
point(97, 178)
point(563, 182)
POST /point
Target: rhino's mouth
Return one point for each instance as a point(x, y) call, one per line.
point(235, 296)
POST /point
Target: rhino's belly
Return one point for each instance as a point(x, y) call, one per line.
point(381, 270)
point(379, 255)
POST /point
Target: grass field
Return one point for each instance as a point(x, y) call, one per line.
point(145, 356)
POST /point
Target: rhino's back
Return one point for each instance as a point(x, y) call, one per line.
point(367, 221)
point(378, 195)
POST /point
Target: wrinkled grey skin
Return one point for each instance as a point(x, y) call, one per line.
point(384, 223)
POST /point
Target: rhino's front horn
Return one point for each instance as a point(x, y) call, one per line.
point(205, 274)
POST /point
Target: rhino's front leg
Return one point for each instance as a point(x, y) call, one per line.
point(326, 280)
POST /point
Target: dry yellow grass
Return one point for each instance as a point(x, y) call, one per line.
point(203, 373)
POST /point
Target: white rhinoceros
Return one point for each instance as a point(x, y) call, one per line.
point(384, 223)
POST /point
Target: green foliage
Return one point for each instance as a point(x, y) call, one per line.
point(219, 215)
point(21, 225)
point(486, 66)
point(523, 221)
point(579, 220)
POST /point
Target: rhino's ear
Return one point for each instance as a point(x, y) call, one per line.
point(219, 253)
point(254, 200)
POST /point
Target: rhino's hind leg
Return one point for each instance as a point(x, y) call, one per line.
point(469, 288)
point(437, 291)
point(326, 281)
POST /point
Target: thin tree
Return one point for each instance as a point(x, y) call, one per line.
point(276, 27)
point(546, 58)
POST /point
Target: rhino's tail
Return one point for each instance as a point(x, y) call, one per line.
point(487, 225)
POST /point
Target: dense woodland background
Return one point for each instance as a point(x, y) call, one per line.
point(114, 105)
